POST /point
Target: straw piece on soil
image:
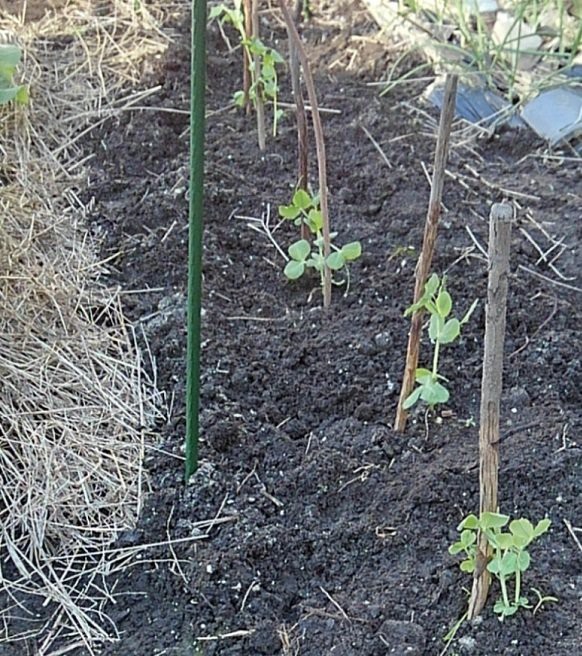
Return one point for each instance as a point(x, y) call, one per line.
point(76, 402)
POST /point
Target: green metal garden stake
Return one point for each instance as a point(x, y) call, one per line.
point(196, 210)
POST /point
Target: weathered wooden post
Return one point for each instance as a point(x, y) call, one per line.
point(500, 220)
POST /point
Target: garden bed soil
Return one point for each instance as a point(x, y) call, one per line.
point(332, 531)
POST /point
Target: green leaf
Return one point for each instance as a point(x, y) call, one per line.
point(523, 532)
point(352, 251)
point(432, 284)
point(503, 610)
point(435, 327)
point(494, 566)
point(456, 548)
point(523, 561)
point(422, 376)
point(316, 261)
point(508, 564)
point(412, 398)
point(415, 307)
point(239, 98)
point(289, 211)
point(468, 566)
point(10, 56)
point(504, 541)
point(468, 538)
point(493, 520)
point(8, 94)
point(301, 199)
point(444, 303)
point(22, 95)
point(336, 261)
point(277, 57)
point(450, 331)
point(433, 392)
point(294, 269)
point(215, 12)
point(300, 250)
point(541, 527)
point(471, 522)
point(469, 312)
point(315, 220)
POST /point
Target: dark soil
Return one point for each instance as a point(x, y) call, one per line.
point(332, 531)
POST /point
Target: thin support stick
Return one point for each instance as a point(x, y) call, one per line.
point(247, 10)
point(430, 235)
point(196, 211)
point(301, 116)
point(259, 100)
point(319, 145)
point(499, 242)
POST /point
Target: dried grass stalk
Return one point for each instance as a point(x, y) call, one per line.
point(75, 402)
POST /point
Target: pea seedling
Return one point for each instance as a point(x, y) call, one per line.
point(10, 56)
point(438, 302)
point(510, 555)
point(265, 83)
point(304, 210)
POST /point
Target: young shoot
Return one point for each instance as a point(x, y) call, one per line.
point(10, 56)
point(510, 557)
point(305, 254)
point(442, 330)
point(264, 85)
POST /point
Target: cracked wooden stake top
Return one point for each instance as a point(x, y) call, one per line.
point(430, 234)
point(500, 220)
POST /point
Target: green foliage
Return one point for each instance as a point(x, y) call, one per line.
point(264, 84)
point(442, 330)
point(10, 56)
point(510, 555)
point(304, 209)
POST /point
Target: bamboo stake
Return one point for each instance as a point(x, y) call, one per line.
point(247, 10)
point(259, 101)
point(430, 234)
point(319, 145)
point(500, 220)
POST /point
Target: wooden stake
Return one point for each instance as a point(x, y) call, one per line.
point(248, 14)
point(259, 101)
point(499, 242)
point(430, 234)
point(319, 144)
point(301, 116)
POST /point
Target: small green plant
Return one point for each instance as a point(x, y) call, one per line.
point(304, 209)
point(510, 555)
point(10, 56)
point(267, 82)
point(264, 84)
point(438, 302)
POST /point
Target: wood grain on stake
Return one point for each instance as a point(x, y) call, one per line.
point(430, 235)
point(500, 220)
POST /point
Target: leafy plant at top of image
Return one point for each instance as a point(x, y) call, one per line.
point(10, 56)
point(438, 302)
point(267, 82)
point(510, 558)
point(304, 209)
point(264, 83)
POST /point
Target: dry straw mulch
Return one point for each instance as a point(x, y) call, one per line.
point(76, 406)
